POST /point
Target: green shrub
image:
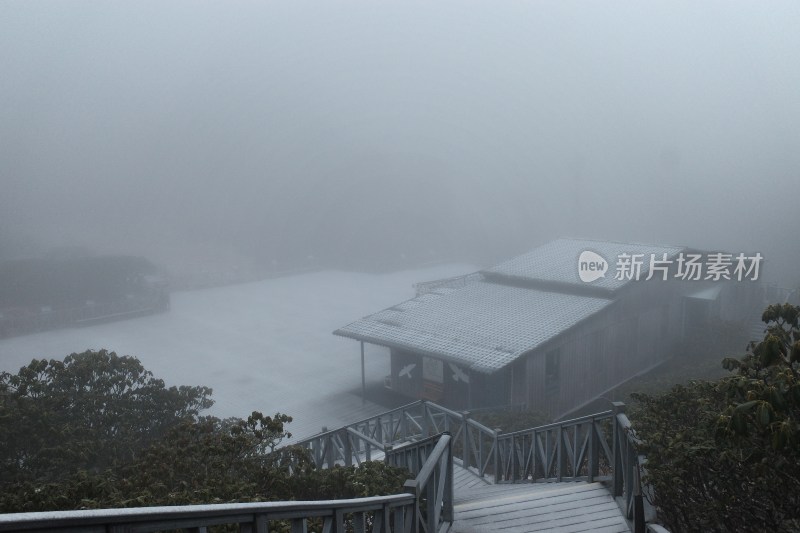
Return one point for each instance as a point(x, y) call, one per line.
point(723, 455)
point(98, 431)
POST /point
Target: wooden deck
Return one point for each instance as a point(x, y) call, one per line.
point(465, 481)
point(516, 508)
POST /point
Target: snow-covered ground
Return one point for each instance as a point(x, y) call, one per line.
point(265, 346)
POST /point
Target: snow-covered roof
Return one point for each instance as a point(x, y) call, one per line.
point(484, 325)
point(557, 262)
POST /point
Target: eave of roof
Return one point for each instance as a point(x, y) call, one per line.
point(484, 326)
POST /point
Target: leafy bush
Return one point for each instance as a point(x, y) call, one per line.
point(90, 411)
point(723, 455)
point(98, 430)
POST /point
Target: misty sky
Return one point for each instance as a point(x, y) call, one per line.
point(365, 131)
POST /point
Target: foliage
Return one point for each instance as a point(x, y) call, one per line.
point(371, 478)
point(97, 431)
point(723, 455)
point(765, 390)
point(90, 411)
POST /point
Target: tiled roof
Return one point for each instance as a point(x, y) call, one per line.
point(483, 325)
point(557, 262)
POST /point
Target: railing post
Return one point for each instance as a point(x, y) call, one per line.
point(465, 431)
point(339, 523)
point(561, 456)
point(431, 505)
point(384, 524)
point(449, 486)
point(496, 459)
point(638, 504)
point(411, 486)
point(594, 452)
point(512, 450)
point(535, 454)
point(379, 430)
point(330, 457)
point(317, 449)
point(424, 424)
point(617, 475)
point(347, 447)
point(400, 519)
point(481, 463)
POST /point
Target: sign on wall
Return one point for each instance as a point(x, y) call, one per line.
point(432, 370)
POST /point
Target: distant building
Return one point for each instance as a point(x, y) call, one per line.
point(530, 332)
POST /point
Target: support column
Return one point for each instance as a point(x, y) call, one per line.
point(363, 377)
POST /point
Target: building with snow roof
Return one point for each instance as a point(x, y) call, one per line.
point(531, 332)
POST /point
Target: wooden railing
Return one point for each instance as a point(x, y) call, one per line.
point(381, 514)
point(574, 450)
point(599, 447)
point(626, 483)
point(425, 506)
point(473, 443)
point(431, 460)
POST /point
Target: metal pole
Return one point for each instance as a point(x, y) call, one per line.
point(363, 377)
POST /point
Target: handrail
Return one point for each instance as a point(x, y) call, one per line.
point(426, 506)
point(473, 443)
point(572, 421)
point(432, 461)
point(626, 484)
point(575, 450)
point(477, 446)
point(390, 513)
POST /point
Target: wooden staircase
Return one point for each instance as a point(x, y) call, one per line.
point(576, 475)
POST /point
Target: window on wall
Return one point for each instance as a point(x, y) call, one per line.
point(552, 369)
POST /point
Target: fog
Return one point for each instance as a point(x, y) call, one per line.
point(383, 135)
point(253, 343)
